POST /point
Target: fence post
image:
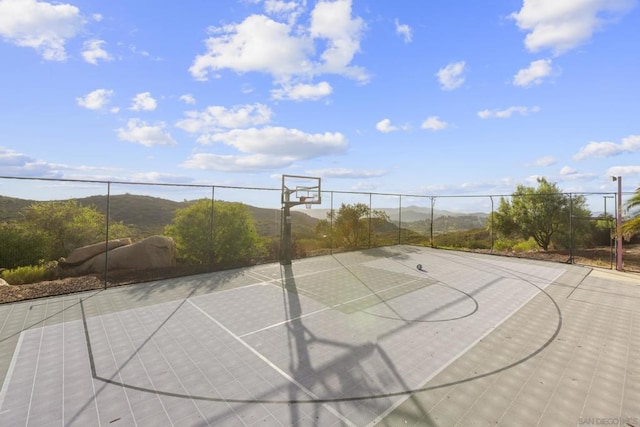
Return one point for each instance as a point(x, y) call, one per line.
point(570, 228)
point(211, 227)
point(491, 197)
point(331, 225)
point(400, 220)
point(106, 238)
point(433, 202)
point(369, 220)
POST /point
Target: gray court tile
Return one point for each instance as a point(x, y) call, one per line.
point(473, 333)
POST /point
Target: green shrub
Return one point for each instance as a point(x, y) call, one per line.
point(503, 244)
point(30, 273)
point(526, 246)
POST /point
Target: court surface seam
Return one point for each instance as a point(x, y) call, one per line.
point(272, 365)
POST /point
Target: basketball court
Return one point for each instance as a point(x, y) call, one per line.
point(334, 340)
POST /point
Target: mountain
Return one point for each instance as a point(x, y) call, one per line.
point(150, 215)
point(409, 213)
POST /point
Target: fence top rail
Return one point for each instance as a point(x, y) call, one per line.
point(433, 196)
point(97, 181)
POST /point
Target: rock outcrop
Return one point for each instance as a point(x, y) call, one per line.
point(152, 252)
point(80, 255)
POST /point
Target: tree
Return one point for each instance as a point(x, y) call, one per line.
point(228, 236)
point(353, 224)
point(22, 245)
point(631, 227)
point(69, 225)
point(544, 214)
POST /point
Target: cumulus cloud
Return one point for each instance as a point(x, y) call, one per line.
point(143, 102)
point(93, 51)
point(534, 74)
point(279, 7)
point(347, 173)
point(568, 170)
point(266, 148)
point(140, 132)
point(280, 141)
point(13, 163)
point(434, 123)
point(286, 50)
point(385, 126)
point(563, 25)
point(405, 31)
point(300, 92)
point(508, 112)
point(95, 100)
point(545, 161)
point(235, 163)
point(450, 77)
point(630, 144)
point(45, 27)
point(218, 118)
point(623, 170)
point(188, 99)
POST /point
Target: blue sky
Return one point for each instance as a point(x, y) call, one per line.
point(419, 97)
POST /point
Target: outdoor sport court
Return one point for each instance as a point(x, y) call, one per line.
point(355, 339)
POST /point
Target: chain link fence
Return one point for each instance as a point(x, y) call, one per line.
point(128, 232)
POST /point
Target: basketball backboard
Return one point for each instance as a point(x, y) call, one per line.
point(301, 190)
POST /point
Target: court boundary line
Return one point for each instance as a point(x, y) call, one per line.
point(540, 290)
point(331, 307)
point(272, 365)
point(9, 375)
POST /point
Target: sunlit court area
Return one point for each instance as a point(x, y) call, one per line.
point(323, 213)
point(398, 335)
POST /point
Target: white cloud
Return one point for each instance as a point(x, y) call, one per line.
point(506, 113)
point(256, 44)
point(331, 21)
point(537, 71)
point(290, 10)
point(564, 25)
point(347, 173)
point(95, 100)
point(623, 171)
point(160, 177)
point(140, 132)
point(567, 170)
point(434, 123)
point(630, 144)
point(235, 163)
point(13, 163)
point(216, 118)
point(266, 148)
point(385, 126)
point(286, 50)
point(545, 161)
point(143, 102)
point(45, 27)
point(301, 92)
point(404, 30)
point(450, 77)
point(188, 99)
point(93, 51)
point(280, 141)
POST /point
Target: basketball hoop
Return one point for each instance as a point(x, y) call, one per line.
point(307, 204)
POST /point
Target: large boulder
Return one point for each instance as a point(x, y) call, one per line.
point(80, 255)
point(152, 252)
